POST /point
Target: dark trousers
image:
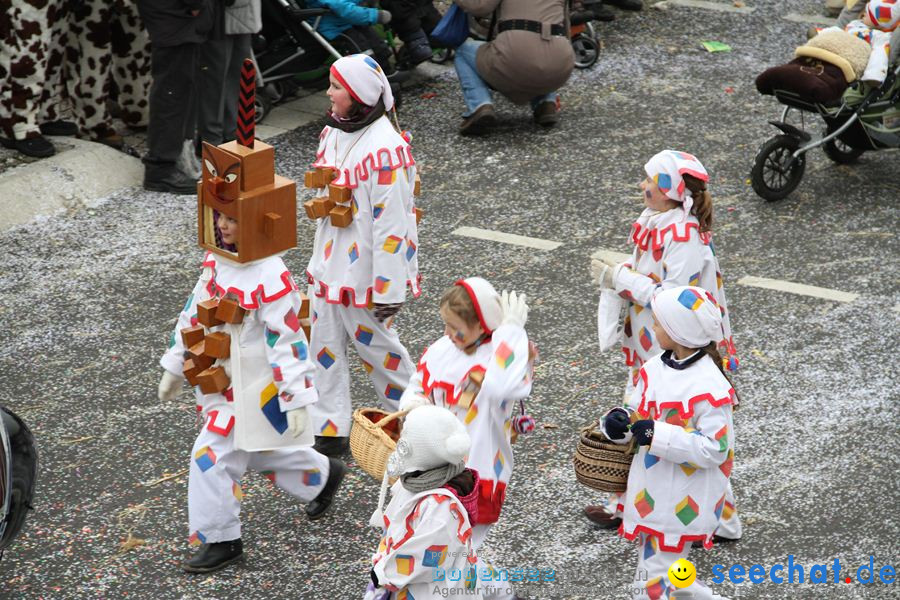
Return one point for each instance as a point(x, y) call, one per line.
point(360, 38)
point(409, 16)
point(172, 104)
point(219, 77)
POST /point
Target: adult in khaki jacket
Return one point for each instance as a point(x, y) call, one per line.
point(527, 60)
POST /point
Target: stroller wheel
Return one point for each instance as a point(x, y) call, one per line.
point(586, 50)
point(840, 152)
point(263, 105)
point(775, 172)
point(441, 55)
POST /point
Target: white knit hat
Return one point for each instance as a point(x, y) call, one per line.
point(431, 437)
point(486, 301)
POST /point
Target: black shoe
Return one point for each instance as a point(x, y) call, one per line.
point(602, 12)
point(717, 539)
point(598, 515)
point(480, 121)
point(319, 505)
point(418, 50)
point(334, 447)
point(547, 113)
point(35, 147)
point(66, 128)
point(215, 556)
point(397, 76)
point(627, 4)
point(171, 180)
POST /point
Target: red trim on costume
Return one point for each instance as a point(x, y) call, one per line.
point(448, 387)
point(322, 291)
point(644, 407)
point(439, 498)
point(346, 85)
point(462, 283)
point(257, 296)
point(211, 423)
point(368, 164)
point(660, 538)
point(641, 236)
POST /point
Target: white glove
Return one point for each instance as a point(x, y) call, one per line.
point(169, 386)
point(412, 400)
point(296, 419)
point(513, 309)
point(602, 273)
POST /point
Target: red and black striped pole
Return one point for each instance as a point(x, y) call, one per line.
point(246, 122)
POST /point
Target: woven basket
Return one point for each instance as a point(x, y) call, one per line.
point(373, 438)
point(601, 464)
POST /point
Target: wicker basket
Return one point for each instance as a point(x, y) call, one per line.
point(601, 464)
point(373, 438)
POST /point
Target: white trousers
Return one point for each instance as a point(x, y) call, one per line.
point(499, 590)
point(651, 578)
point(214, 484)
point(378, 346)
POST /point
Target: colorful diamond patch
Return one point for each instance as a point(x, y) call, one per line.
point(329, 429)
point(205, 458)
point(498, 464)
point(328, 245)
point(291, 320)
point(410, 249)
point(300, 350)
point(504, 355)
point(382, 284)
point(392, 392)
point(644, 503)
point(690, 299)
point(646, 339)
point(364, 335)
point(312, 477)
point(392, 244)
point(271, 337)
point(434, 556)
point(325, 357)
point(353, 253)
point(268, 404)
point(386, 176)
point(406, 564)
point(196, 539)
point(726, 466)
point(391, 361)
point(687, 510)
point(237, 491)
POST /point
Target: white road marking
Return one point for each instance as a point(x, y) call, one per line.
point(616, 257)
point(507, 238)
point(719, 6)
point(812, 19)
point(798, 288)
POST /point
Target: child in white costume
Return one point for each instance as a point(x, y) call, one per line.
point(680, 415)
point(878, 20)
point(484, 333)
point(672, 247)
point(271, 339)
point(359, 273)
point(426, 548)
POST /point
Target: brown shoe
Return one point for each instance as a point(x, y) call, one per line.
point(602, 517)
point(480, 121)
point(547, 114)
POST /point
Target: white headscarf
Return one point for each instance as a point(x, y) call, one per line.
point(360, 75)
point(667, 168)
point(690, 315)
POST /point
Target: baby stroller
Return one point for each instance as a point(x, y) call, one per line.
point(584, 36)
point(858, 122)
point(290, 53)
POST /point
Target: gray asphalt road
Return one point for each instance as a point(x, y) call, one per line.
point(88, 301)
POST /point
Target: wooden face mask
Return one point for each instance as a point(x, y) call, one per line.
point(221, 179)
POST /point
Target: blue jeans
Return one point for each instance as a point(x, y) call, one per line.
point(475, 91)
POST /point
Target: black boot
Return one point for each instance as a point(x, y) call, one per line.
point(66, 128)
point(417, 48)
point(321, 503)
point(168, 179)
point(215, 556)
point(335, 447)
point(36, 146)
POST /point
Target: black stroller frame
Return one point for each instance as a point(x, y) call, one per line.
point(851, 130)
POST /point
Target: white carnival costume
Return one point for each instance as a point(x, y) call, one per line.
point(505, 358)
point(369, 262)
point(677, 484)
point(273, 346)
point(426, 548)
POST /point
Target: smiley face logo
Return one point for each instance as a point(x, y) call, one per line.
point(682, 573)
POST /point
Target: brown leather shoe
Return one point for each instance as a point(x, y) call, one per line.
point(480, 121)
point(547, 114)
point(602, 517)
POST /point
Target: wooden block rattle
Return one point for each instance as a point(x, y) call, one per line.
point(417, 185)
point(213, 380)
point(198, 350)
point(218, 345)
point(419, 214)
point(339, 193)
point(303, 313)
point(206, 313)
point(229, 311)
point(192, 335)
point(341, 216)
point(190, 371)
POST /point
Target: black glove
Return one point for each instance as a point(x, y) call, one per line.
point(374, 578)
point(386, 311)
point(643, 432)
point(616, 423)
